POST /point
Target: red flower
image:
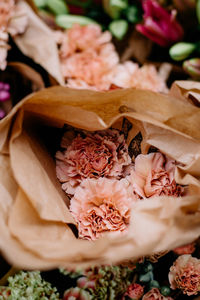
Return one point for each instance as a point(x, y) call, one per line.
point(134, 291)
point(159, 25)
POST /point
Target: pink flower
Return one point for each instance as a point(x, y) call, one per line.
point(76, 293)
point(12, 21)
point(81, 38)
point(185, 274)
point(134, 291)
point(86, 283)
point(101, 206)
point(159, 25)
point(154, 294)
point(129, 75)
point(154, 175)
point(186, 249)
point(97, 154)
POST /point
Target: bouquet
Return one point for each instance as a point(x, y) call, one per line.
point(141, 197)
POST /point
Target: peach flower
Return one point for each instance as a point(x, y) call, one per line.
point(129, 75)
point(154, 175)
point(81, 38)
point(12, 21)
point(185, 274)
point(186, 249)
point(97, 154)
point(154, 294)
point(134, 291)
point(101, 206)
point(91, 66)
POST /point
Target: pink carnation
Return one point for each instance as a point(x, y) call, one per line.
point(101, 206)
point(129, 75)
point(154, 175)
point(185, 274)
point(154, 294)
point(134, 291)
point(186, 249)
point(98, 154)
point(12, 21)
point(81, 38)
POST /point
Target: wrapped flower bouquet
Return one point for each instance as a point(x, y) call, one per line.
point(98, 177)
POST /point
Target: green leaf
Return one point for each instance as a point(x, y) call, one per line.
point(58, 7)
point(67, 21)
point(40, 3)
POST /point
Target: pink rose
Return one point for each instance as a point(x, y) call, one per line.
point(134, 291)
point(154, 294)
point(101, 206)
point(76, 293)
point(86, 283)
point(97, 154)
point(185, 274)
point(186, 249)
point(154, 175)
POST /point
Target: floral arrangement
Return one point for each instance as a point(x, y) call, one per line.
point(99, 176)
point(104, 180)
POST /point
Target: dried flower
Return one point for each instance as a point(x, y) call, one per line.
point(76, 293)
point(186, 249)
point(154, 175)
point(159, 25)
point(98, 154)
point(101, 206)
point(86, 283)
point(134, 291)
point(185, 274)
point(154, 294)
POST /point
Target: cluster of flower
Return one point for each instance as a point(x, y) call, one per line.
point(96, 170)
point(13, 21)
point(89, 60)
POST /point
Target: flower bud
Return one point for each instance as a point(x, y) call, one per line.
point(192, 67)
point(181, 51)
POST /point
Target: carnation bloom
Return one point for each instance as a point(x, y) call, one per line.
point(185, 274)
point(186, 249)
point(12, 21)
point(154, 294)
point(80, 38)
point(134, 291)
point(97, 154)
point(129, 75)
point(101, 206)
point(154, 175)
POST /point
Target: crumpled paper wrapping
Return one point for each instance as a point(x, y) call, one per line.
point(36, 227)
point(38, 33)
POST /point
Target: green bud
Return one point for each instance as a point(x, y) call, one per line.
point(118, 28)
point(114, 7)
point(154, 284)
point(40, 3)
point(181, 51)
point(132, 14)
point(58, 7)
point(67, 21)
point(165, 291)
point(148, 267)
point(146, 277)
point(192, 67)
